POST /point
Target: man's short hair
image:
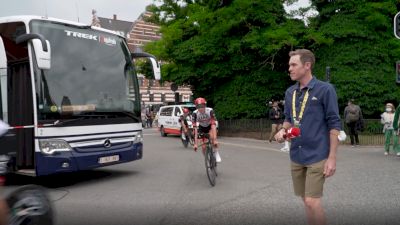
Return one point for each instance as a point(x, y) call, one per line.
point(305, 56)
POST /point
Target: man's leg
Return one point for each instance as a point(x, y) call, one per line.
point(314, 185)
point(352, 132)
point(213, 135)
point(388, 133)
point(314, 211)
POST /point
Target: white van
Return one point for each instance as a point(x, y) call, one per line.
point(168, 118)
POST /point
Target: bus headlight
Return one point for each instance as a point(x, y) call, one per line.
point(138, 138)
point(53, 145)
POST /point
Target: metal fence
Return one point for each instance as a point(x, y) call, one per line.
point(261, 129)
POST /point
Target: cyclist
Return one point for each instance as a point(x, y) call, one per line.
point(183, 120)
point(204, 122)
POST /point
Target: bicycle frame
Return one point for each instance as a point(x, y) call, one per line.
point(210, 161)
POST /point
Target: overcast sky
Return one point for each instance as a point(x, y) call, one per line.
point(128, 10)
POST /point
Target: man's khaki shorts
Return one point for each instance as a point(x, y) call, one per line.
point(308, 180)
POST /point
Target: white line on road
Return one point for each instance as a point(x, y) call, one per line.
point(251, 146)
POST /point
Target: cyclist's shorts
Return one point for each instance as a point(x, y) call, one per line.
point(205, 130)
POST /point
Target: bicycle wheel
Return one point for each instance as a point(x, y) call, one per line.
point(184, 139)
point(29, 205)
point(191, 137)
point(210, 164)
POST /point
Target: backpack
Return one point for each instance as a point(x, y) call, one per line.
point(353, 114)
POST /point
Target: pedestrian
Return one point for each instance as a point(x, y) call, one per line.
point(387, 119)
point(311, 106)
point(275, 116)
point(149, 116)
point(286, 146)
point(354, 121)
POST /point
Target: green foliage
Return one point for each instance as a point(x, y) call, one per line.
point(143, 66)
point(362, 51)
point(235, 53)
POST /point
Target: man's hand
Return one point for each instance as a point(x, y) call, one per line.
point(279, 136)
point(195, 147)
point(330, 167)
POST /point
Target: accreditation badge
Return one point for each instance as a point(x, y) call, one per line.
point(296, 123)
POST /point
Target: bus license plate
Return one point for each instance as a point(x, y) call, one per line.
point(108, 159)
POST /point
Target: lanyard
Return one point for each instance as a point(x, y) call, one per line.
point(303, 106)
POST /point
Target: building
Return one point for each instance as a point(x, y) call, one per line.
point(139, 33)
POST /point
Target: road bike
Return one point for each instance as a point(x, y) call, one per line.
point(187, 138)
point(28, 204)
point(210, 161)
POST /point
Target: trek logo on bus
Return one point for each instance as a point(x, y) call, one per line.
point(102, 39)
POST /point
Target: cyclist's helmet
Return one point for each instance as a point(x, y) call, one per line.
point(185, 110)
point(200, 102)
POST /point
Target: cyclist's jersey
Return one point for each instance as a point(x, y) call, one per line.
point(185, 118)
point(204, 119)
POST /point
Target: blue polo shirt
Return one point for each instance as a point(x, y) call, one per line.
point(321, 114)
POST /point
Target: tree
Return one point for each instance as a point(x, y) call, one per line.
point(355, 38)
point(233, 53)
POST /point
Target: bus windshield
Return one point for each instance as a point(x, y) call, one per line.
point(91, 75)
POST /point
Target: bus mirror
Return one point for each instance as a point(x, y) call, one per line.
point(3, 82)
point(41, 47)
point(155, 65)
point(42, 57)
point(156, 69)
point(3, 57)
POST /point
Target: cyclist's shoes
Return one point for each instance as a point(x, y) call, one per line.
point(217, 157)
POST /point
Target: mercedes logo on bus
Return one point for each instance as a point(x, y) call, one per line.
point(107, 143)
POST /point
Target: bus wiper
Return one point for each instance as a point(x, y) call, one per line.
point(59, 123)
point(131, 115)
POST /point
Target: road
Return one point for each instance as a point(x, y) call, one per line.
point(169, 186)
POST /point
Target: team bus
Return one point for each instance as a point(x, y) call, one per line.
point(70, 95)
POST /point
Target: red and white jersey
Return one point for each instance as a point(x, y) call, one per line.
point(204, 119)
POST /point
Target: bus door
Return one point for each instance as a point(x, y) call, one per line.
point(19, 108)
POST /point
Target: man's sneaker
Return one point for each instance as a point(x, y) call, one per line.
point(398, 154)
point(386, 153)
point(284, 149)
point(217, 157)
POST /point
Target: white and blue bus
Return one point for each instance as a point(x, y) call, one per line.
point(70, 94)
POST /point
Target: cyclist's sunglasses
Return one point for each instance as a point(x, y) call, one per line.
point(199, 106)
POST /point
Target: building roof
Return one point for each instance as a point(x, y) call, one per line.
point(119, 26)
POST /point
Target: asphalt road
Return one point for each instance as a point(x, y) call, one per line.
point(169, 186)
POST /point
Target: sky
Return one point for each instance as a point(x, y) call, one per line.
point(81, 10)
point(76, 10)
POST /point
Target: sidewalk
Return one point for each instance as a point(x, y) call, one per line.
point(277, 146)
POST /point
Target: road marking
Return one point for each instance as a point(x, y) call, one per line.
point(232, 144)
point(252, 146)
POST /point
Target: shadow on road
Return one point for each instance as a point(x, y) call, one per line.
point(69, 179)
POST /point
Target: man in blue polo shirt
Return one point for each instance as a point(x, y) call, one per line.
point(312, 106)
